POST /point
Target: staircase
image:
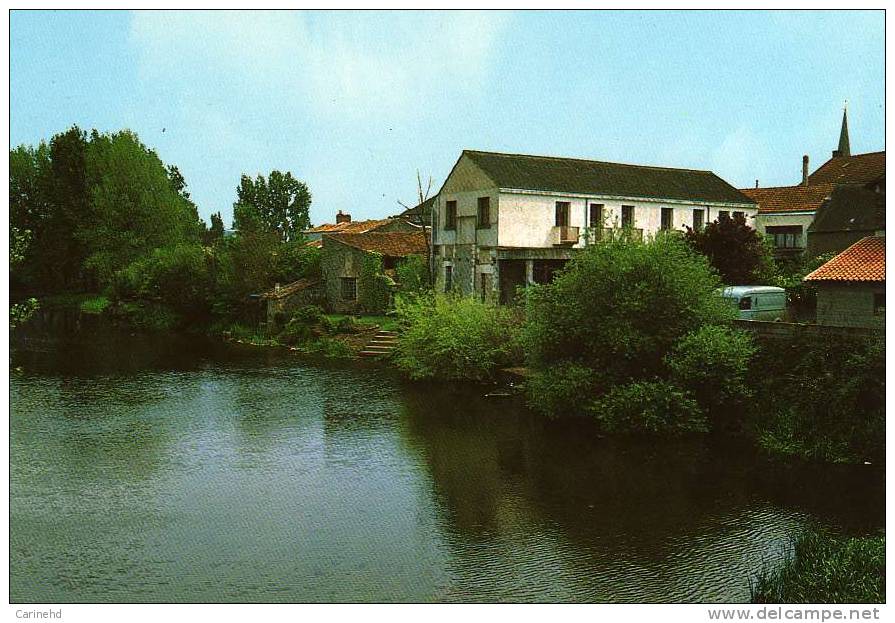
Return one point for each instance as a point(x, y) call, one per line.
point(383, 343)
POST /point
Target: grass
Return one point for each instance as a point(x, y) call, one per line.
point(94, 305)
point(824, 568)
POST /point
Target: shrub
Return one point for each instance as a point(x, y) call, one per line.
point(711, 363)
point(308, 314)
point(739, 253)
point(617, 309)
point(452, 337)
point(374, 287)
point(296, 331)
point(822, 399)
point(648, 407)
point(413, 275)
point(94, 305)
point(339, 324)
point(551, 389)
point(823, 568)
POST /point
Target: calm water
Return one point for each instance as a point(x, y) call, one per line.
point(145, 470)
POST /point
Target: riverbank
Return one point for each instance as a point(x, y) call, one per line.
point(820, 567)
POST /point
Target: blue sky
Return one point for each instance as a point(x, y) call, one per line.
point(355, 103)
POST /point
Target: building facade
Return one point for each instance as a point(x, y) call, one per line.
point(502, 221)
point(851, 287)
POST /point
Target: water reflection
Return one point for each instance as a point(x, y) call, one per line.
point(210, 474)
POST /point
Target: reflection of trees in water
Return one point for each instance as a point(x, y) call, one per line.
point(649, 512)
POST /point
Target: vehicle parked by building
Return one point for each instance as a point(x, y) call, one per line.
point(758, 302)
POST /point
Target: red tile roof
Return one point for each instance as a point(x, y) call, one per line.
point(350, 227)
point(394, 244)
point(858, 169)
point(789, 198)
point(865, 260)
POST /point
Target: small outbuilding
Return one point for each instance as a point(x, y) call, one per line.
point(281, 301)
point(851, 287)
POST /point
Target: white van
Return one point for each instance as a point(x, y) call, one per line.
point(758, 302)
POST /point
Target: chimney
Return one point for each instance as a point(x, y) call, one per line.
point(342, 218)
point(756, 183)
point(805, 170)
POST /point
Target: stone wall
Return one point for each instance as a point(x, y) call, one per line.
point(782, 330)
point(340, 260)
point(848, 305)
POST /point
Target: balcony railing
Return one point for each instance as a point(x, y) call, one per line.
point(597, 234)
point(565, 234)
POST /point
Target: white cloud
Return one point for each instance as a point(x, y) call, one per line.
point(350, 64)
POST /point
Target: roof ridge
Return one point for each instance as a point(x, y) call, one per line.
point(620, 164)
point(818, 185)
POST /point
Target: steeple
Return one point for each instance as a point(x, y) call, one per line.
point(844, 147)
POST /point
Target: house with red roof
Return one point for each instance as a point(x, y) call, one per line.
point(851, 287)
point(832, 208)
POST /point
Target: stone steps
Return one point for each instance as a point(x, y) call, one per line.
point(382, 344)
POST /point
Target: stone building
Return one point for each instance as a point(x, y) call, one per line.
point(343, 257)
point(851, 287)
point(344, 225)
point(503, 220)
point(279, 302)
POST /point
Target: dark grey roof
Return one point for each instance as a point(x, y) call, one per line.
point(851, 208)
point(604, 178)
point(419, 214)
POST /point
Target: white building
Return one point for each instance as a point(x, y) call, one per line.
point(504, 220)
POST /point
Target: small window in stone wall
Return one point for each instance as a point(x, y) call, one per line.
point(349, 288)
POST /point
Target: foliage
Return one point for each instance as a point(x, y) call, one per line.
point(308, 314)
point(296, 331)
point(451, 337)
point(739, 253)
point(551, 389)
point(801, 295)
point(711, 363)
point(94, 305)
point(22, 311)
point(279, 203)
point(616, 310)
point(413, 275)
point(146, 315)
point(821, 399)
point(339, 324)
point(296, 260)
point(824, 568)
point(215, 231)
point(19, 240)
point(177, 275)
point(648, 407)
point(373, 287)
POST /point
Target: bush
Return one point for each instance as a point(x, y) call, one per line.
point(413, 275)
point(551, 389)
point(821, 568)
point(296, 331)
point(648, 407)
point(94, 305)
point(711, 363)
point(374, 287)
point(308, 314)
point(617, 309)
point(822, 400)
point(452, 337)
point(739, 253)
point(339, 324)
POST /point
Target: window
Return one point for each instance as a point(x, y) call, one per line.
point(349, 288)
point(448, 278)
point(739, 215)
point(723, 214)
point(562, 213)
point(450, 215)
point(596, 215)
point(746, 302)
point(879, 303)
point(785, 236)
point(667, 218)
point(484, 212)
point(698, 218)
point(627, 216)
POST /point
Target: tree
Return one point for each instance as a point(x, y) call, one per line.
point(610, 317)
point(134, 208)
point(216, 231)
point(279, 203)
point(422, 196)
point(739, 253)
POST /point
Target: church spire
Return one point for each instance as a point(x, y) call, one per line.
point(844, 147)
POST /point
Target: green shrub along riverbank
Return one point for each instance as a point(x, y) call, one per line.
point(633, 336)
point(824, 568)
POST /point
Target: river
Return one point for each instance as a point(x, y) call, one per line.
point(174, 470)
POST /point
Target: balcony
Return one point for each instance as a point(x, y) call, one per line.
point(597, 234)
point(565, 235)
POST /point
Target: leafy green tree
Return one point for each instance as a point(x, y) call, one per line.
point(610, 317)
point(18, 244)
point(216, 231)
point(134, 208)
point(279, 203)
point(739, 253)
